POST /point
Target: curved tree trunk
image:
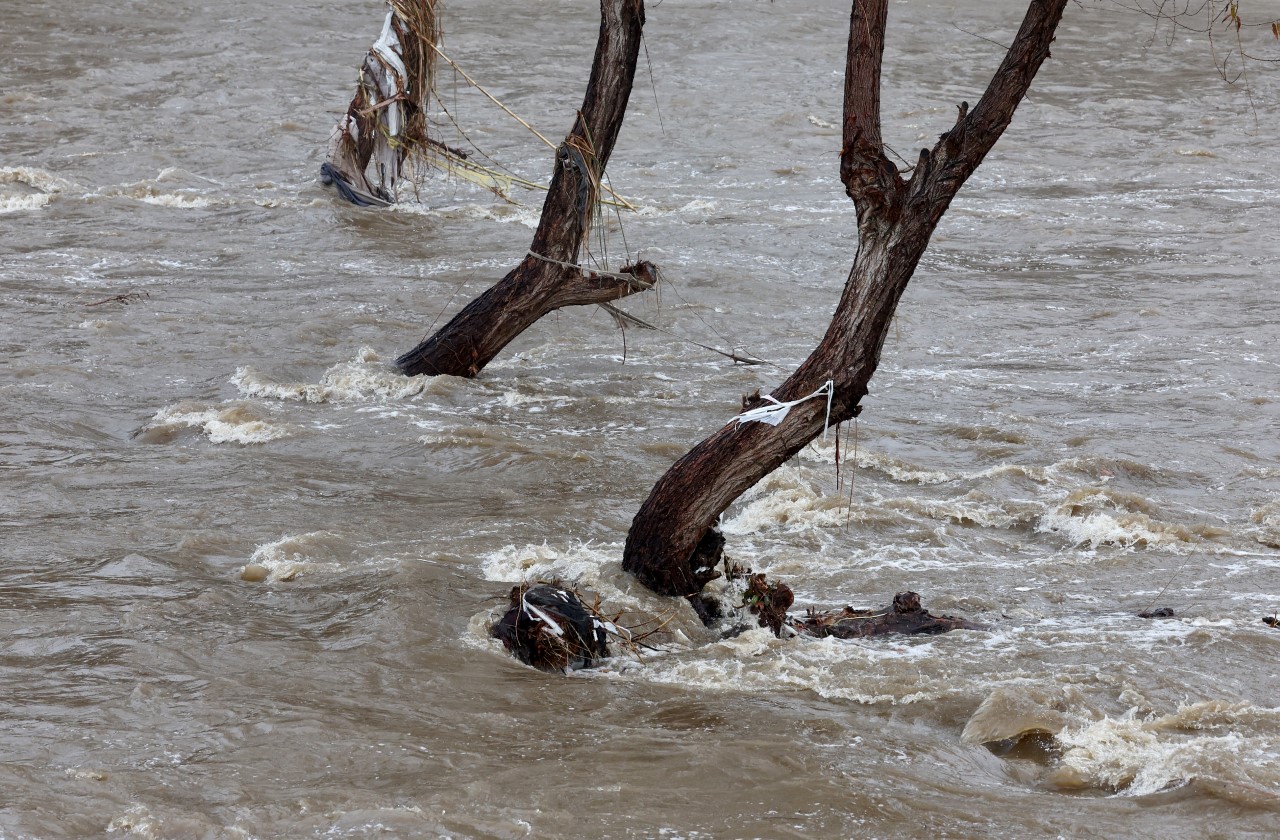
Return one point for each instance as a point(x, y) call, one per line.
point(548, 278)
point(896, 218)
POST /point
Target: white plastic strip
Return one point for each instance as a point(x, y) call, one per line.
point(776, 413)
point(549, 623)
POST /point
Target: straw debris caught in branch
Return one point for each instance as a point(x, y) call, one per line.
point(386, 121)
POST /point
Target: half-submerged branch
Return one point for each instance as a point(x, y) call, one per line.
point(550, 276)
point(895, 221)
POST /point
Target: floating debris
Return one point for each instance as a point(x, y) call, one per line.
point(768, 602)
point(126, 298)
point(905, 616)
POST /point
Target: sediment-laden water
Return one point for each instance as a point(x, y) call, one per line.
point(1076, 419)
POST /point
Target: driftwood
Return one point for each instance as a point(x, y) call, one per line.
point(126, 298)
point(904, 616)
point(769, 601)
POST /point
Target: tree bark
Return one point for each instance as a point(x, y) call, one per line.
point(549, 277)
point(896, 218)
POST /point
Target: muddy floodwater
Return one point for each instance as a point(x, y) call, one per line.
point(1077, 418)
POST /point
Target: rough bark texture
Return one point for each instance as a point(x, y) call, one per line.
point(548, 278)
point(896, 217)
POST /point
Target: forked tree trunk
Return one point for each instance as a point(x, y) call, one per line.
point(548, 278)
point(896, 218)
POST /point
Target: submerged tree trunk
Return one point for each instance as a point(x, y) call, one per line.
point(896, 218)
point(549, 276)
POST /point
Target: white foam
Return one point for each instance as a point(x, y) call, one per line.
point(174, 173)
point(756, 661)
point(39, 179)
point(504, 213)
point(294, 555)
point(1124, 755)
point(1267, 518)
point(908, 473)
point(699, 205)
point(514, 399)
point(784, 500)
point(902, 471)
point(138, 821)
point(581, 563)
point(147, 192)
point(1126, 530)
point(182, 201)
point(971, 509)
point(363, 379)
point(228, 423)
point(45, 182)
point(18, 203)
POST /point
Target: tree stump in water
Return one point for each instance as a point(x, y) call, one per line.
point(386, 120)
point(551, 629)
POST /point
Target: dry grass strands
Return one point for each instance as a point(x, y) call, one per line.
point(385, 126)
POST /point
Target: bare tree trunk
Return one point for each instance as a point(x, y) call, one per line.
point(896, 218)
point(549, 277)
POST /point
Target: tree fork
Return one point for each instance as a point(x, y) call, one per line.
point(548, 277)
point(896, 218)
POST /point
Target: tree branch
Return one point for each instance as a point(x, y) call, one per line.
point(549, 276)
point(869, 177)
point(960, 151)
point(584, 154)
point(589, 286)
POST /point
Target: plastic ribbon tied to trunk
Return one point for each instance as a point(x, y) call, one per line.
point(776, 411)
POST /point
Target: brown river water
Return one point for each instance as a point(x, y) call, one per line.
point(1076, 419)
